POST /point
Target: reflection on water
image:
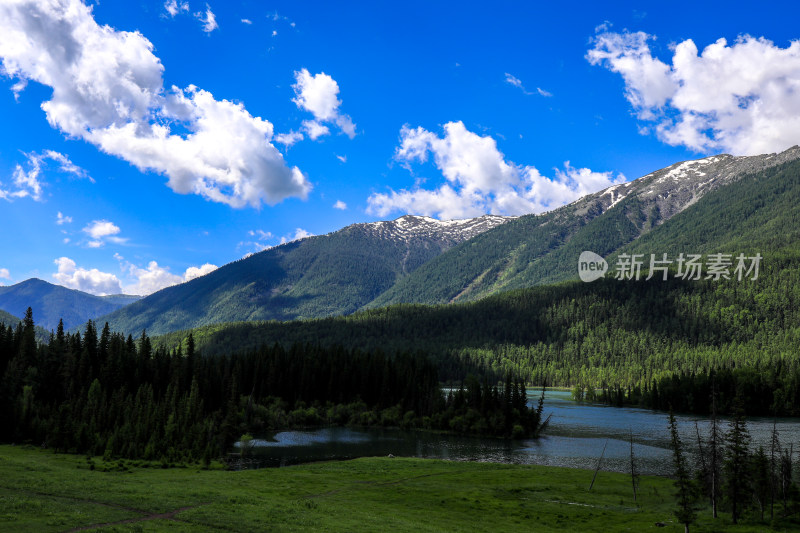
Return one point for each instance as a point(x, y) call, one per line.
point(575, 438)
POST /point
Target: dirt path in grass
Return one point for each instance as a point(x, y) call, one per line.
point(169, 515)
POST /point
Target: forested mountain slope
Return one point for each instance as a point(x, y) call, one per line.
point(422, 260)
point(540, 249)
point(610, 331)
point(50, 303)
point(314, 277)
point(7, 319)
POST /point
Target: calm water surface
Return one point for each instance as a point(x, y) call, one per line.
point(575, 438)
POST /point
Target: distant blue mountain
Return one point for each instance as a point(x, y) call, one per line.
point(53, 302)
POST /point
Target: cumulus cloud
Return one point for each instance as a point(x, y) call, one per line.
point(107, 89)
point(247, 21)
point(342, 158)
point(479, 180)
point(173, 8)
point(742, 98)
point(340, 205)
point(208, 19)
point(101, 228)
point(153, 277)
point(319, 94)
point(196, 272)
point(92, 281)
point(315, 129)
point(100, 231)
point(62, 219)
point(27, 181)
point(4, 273)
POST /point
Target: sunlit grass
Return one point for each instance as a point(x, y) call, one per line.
point(41, 491)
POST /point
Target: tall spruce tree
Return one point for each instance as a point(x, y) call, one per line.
point(685, 493)
point(737, 465)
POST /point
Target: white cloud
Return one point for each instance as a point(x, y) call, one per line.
point(173, 8)
point(247, 21)
point(260, 234)
point(208, 19)
point(288, 139)
point(27, 182)
point(63, 219)
point(196, 272)
point(299, 233)
point(107, 89)
point(274, 33)
point(315, 129)
point(340, 205)
point(153, 278)
point(101, 228)
point(259, 244)
point(261, 237)
point(342, 158)
point(479, 180)
point(319, 94)
point(92, 281)
point(100, 231)
point(4, 273)
point(516, 82)
point(64, 164)
point(742, 98)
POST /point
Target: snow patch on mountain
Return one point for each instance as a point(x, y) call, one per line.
point(409, 227)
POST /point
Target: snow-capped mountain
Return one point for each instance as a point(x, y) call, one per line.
point(541, 249)
point(674, 188)
point(410, 227)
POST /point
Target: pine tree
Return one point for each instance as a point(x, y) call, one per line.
point(736, 466)
point(685, 490)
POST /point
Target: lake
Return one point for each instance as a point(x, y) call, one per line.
point(575, 438)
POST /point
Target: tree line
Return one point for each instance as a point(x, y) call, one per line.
point(613, 335)
point(102, 393)
point(761, 390)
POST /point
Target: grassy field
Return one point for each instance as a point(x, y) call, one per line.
point(41, 491)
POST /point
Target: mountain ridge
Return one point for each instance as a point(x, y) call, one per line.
point(541, 249)
point(416, 259)
point(322, 275)
point(51, 303)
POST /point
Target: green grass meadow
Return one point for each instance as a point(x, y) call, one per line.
point(41, 491)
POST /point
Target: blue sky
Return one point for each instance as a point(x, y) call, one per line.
point(128, 161)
